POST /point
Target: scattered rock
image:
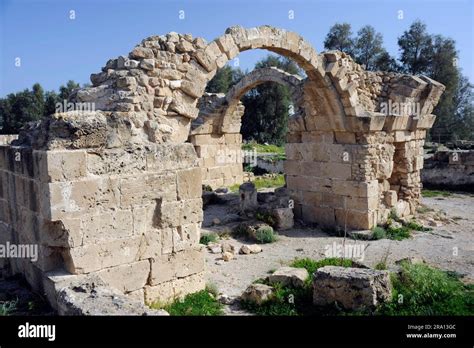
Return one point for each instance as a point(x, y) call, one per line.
point(257, 293)
point(216, 221)
point(351, 288)
point(225, 299)
point(289, 276)
point(227, 256)
point(227, 247)
point(219, 262)
point(214, 248)
point(250, 249)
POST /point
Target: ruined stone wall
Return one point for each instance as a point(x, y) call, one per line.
point(117, 192)
point(220, 154)
point(131, 216)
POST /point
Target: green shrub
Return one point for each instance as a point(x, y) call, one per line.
point(265, 234)
point(201, 303)
point(422, 290)
point(379, 233)
point(381, 266)
point(398, 233)
point(207, 238)
point(265, 217)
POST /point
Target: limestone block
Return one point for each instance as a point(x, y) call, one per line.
point(323, 216)
point(176, 265)
point(390, 198)
point(143, 189)
point(289, 276)
point(352, 288)
point(126, 278)
point(284, 218)
point(189, 183)
point(94, 257)
point(355, 219)
point(141, 52)
point(227, 45)
point(105, 226)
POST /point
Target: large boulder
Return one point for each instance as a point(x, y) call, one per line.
point(289, 276)
point(351, 288)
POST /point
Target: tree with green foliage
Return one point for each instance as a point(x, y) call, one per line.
point(416, 49)
point(339, 38)
point(267, 106)
point(436, 57)
point(17, 109)
point(368, 47)
point(224, 79)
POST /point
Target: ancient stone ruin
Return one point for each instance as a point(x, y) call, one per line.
point(116, 192)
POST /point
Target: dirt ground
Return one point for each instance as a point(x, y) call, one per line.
point(449, 246)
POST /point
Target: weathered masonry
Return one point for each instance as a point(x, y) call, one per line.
point(117, 192)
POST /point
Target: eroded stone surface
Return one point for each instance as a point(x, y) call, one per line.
point(352, 288)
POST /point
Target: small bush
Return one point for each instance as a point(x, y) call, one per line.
point(207, 238)
point(425, 290)
point(201, 303)
point(265, 217)
point(265, 234)
point(398, 233)
point(381, 266)
point(379, 233)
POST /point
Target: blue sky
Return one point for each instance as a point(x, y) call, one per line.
point(54, 48)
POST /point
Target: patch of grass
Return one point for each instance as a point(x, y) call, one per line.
point(423, 290)
point(207, 238)
point(312, 265)
point(201, 303)
point(262, 148)
point(265, 234)
point(413, 225)
point(435, 193)
point(422, 209)
point(278, 180)
point(8, 307)
point(381, 266)
point(398, 233)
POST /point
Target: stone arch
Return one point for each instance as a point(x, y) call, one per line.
point(255, 78)
point(116, 192)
